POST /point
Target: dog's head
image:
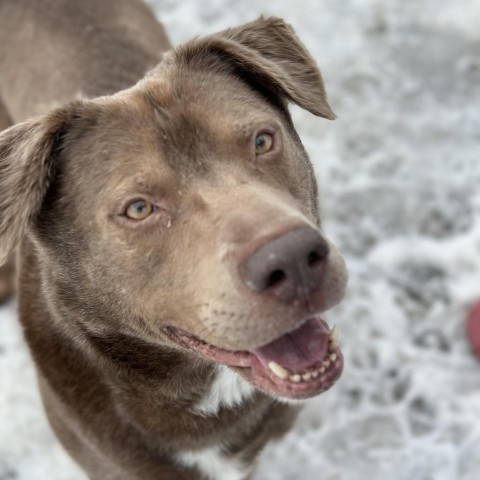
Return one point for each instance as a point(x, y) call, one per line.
point(184, 210)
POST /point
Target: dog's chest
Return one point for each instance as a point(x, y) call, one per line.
point(214, 464)
point(228, 390)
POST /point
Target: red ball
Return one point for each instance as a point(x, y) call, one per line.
point(473, 329)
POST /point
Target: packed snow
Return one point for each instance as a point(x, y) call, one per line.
point(399, 175)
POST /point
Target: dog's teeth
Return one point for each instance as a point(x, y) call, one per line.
point(283, 373)
point(335, 337)
point(278, 370)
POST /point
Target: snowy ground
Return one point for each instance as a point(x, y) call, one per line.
point(400, 175)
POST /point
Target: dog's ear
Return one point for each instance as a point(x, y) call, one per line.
point(27, 157)
point(268, 51)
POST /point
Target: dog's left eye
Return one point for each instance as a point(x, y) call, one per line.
point(139, 210)
point(263, 143)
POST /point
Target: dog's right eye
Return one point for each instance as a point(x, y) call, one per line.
point(139, 210)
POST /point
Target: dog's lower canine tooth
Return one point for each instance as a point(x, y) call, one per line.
point(335, 337)
point(278, 370)
point(333, 357)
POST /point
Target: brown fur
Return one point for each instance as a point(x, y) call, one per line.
point(94, 292)
point(7, 271)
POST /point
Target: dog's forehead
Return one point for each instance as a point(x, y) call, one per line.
point(173, 128)
point(189, 101)
point(185, 120)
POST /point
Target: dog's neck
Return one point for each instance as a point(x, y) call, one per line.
point(177, 377)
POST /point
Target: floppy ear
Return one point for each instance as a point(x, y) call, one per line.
point(268, 50)
point(27, 155)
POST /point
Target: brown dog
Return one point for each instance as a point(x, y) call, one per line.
point(172, 270)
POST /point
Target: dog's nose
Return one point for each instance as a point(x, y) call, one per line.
point(288, 267)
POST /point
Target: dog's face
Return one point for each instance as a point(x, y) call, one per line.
point(185, 209)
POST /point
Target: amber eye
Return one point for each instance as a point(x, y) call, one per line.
point(139, 210)
point(263, 143)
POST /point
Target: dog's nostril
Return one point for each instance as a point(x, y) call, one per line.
point(313, 258)
point(318, 254)
point(275, 278)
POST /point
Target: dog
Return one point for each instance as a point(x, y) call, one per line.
point(171, 265)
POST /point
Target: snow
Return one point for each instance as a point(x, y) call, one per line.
point(398, 176)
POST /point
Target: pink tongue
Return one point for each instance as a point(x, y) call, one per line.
point(299, 349)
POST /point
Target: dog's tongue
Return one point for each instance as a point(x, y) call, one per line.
point(299, 349)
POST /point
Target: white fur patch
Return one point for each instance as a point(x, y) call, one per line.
point(212, 463)
point(227, 390)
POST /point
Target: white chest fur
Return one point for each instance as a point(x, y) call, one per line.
point(227, 390)
point(214, 464)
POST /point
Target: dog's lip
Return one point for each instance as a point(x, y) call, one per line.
point(268, 375)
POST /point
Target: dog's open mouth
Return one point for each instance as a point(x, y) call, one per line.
point(299, 364)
